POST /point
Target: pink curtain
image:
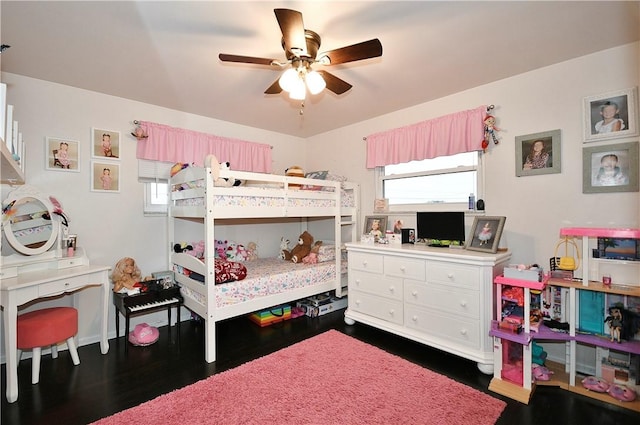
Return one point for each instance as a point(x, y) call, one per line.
point(447, 135)
point(169, 144)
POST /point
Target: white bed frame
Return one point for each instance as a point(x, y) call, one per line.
point(210, 213)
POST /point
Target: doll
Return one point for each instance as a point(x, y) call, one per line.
point(615, 322)
point(125, 275)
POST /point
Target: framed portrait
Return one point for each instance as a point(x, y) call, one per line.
point(610, 168)
point(166, 277)
point(105, 143)
point(485, 234)
point(375, 226)
point(610, 115)
point(62, 154)
point(538, 153)
point(105, 176)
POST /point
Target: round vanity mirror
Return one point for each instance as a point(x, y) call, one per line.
point(28, 221)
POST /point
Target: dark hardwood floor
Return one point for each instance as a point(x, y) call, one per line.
point(103, 385)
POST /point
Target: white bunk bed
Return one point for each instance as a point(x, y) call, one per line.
point(194, 196)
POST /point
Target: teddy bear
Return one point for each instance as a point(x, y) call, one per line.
point(252, 251)
point(301, 250)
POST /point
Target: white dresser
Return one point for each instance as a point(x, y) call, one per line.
point(440, 297)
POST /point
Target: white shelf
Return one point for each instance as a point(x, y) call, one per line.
point(11, 172)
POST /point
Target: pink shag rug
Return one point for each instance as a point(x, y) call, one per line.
point(331, 378)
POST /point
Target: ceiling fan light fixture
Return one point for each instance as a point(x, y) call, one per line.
point(288, 80)
point(315, 82)
point(299, 90)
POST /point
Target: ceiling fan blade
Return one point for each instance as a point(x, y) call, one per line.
point(355, 52)
point(292, 28)
point(245, 59)
point(274, 88)
point(334, 83)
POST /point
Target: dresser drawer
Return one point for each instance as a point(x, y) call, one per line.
point(457, 301)
point(407, 268)
point(449, 328)
point(377, 284)
point(375, 306)
point(366, 262)
point(60, 286)
point(453, 274)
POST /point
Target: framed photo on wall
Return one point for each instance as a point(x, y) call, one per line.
point(105, 176)
point(538, 153)
point(610, 168)
point(105, 143)
point(375, 226)
point(62, 154)
point(485, 234)
point(610, 115)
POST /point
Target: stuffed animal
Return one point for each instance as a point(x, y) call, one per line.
point(541, 373)
point(212, 162)
point(312, 258)
point(622, 392)
point(593, 383)
point(241, 253)
point(182, 247)
point(198, 250)
point(252, 251)
point(284, 246)
point(301, 250)
point(221, 248)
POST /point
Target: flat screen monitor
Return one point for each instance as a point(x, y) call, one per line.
point(441, 226)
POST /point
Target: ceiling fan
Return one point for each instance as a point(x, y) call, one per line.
point(301, 49)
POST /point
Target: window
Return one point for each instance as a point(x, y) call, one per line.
point(156, 198)
point(443, 182)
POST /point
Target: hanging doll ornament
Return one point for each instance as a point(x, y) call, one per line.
point(489, 132)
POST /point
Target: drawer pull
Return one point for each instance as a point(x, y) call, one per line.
point(402, 269)
point(450, 276)
point(414, 294)
point(358, 282)
point(414, 318)
point(66, 284)
point(392, 289)
point(463, 331)
point(357, 302)
point(392, 312)
point(364, 264)
point(463, 303)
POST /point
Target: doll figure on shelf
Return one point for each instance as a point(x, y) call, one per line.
point(615, 322)
point(125, 275)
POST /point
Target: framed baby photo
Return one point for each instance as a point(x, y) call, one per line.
point(105, 143)
point(62, 154)
point(610, 168)
point(375, 225)
point(485, 234)
point(105, 176)
point(538, 153)
point(610, 115)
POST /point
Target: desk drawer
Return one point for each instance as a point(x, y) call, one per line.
point(457, 275)
point(407, 268)
point(372, 305)
point(445, 298)
point(60, 286)
point(377, 284)
point(366, 262)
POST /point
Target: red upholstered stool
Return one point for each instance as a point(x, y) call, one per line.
point(47, 327)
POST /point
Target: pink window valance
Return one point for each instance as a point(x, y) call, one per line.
point(447, 135)
point(169, 144)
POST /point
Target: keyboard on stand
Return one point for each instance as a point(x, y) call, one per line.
point(155, 297)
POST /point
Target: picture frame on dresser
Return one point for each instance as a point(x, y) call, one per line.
point(485, 234)
point(62, 154)
point(610, 168)
point(602, 112)
point(375, 226)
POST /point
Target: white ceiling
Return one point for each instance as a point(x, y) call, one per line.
point(166, 53)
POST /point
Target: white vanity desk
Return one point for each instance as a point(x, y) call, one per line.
point(40, 269)
point(54, 277)
point(441, 297)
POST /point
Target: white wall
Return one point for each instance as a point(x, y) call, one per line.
point(536, 207)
